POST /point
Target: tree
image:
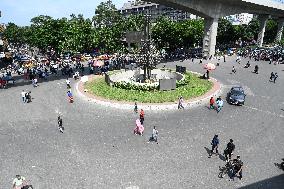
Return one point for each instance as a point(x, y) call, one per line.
point(16, 35)
point(191, 32)
point(226, 33)
point(165, 34)
point(108, 27)
point(270, 31)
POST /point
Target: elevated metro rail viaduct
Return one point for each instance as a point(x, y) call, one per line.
point(212, 10)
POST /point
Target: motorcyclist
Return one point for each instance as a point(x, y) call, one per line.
point(247, 65)
point(238, 167)
point(76, 75)
point(20, 183)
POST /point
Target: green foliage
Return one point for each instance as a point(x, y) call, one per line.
point(169, 34)
point(227, 33)
point(195, 87)
point(270, 31)
point(109, 27)
point(16, 35)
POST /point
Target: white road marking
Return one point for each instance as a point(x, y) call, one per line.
point(132, 187)
point(264, 111)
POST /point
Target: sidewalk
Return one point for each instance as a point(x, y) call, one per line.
point(198, 101)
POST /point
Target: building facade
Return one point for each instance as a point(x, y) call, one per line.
point(240, 19)
point(155, 10)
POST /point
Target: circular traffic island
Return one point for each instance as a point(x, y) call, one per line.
point(129, 86)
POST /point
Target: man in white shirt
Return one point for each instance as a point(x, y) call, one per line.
point(20, 183)
point(23, 94)
point(68, 83)
point(154, 136)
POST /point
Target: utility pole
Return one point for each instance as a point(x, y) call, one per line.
point(146, 51)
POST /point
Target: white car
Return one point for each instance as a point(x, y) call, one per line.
point(2, 55)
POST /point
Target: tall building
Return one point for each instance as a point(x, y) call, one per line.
point(155, 10)
point(240, 19)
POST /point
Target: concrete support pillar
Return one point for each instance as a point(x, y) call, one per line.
point(210, 34)
point(129, 46)
point(263, 20)
point(280, 29)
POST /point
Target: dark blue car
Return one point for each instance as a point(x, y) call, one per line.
point(236, 96)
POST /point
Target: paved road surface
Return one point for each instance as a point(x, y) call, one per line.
point(98, 149)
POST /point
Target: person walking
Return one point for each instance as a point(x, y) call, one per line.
point(229, 150)
point(60, 125)
point(256, 69)
point(34, 82)
point(135, 107)
point(211, 103)
point(70, 96)
point(68, 83)
point(207, 74)
point(271, 76)
point(214, 143)
point(180, 101)
point(275, 77)
point(220, 104)
point(234, 70)
point(142, 116)
point(154, 136)
point(23, 94)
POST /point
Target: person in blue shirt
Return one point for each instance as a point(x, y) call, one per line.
point(214, 143)
point(220, 104)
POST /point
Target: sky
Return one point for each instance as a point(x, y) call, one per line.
point(21, 12)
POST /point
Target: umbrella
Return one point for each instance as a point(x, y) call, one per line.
point(209, 66)
point(98, 63)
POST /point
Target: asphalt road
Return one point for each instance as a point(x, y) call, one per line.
point(98, 148)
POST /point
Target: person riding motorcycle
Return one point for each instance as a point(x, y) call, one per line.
point(247, 65)
point(237, 167)
point(20, 183)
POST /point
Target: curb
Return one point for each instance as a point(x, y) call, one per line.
point(198, 101)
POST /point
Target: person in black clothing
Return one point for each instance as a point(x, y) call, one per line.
point(271, 76)
point(275, 77)
point(60, 125)
point(238, 167)
point(214, 143)
point(229, 150)
point(207, 74)
point(256, 69)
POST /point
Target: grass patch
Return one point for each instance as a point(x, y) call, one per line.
point(195, 87)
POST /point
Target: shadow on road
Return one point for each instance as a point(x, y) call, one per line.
point(207, 150)
point(276, 182)
point(222, 157)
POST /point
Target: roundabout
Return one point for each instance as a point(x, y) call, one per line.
point(194, 90)
point(99, 150)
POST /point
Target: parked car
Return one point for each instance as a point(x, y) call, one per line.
point(236, 96)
